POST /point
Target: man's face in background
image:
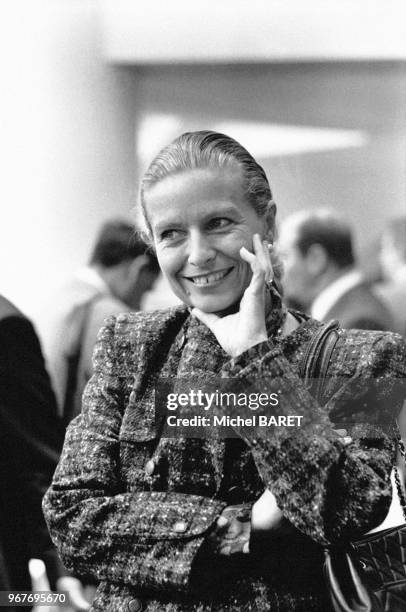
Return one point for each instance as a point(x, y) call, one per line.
point(296, 280)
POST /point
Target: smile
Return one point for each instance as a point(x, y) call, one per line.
point(204, 280)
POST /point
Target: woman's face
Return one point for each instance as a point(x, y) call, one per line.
point(200, 219)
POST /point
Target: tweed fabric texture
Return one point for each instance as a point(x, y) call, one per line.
point(143, 533)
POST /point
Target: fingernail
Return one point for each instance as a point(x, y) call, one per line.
point(222, 521)
point(341, 432)
point(246, 548)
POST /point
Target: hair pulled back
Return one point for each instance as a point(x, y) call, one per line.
point(206, 149)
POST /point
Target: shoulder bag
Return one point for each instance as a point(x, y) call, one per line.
point(370, 574)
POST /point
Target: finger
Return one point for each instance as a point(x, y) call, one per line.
point(259, 251)
point(79, 602)
point(234, 530)
point(75, 590)
point(222, 521)
point(267, 248)
point(246, 548)
point(233, 547)
point(262, 253)
point(208, 318)
point(248, 256)
point(257, 283)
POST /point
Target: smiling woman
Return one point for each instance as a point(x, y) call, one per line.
point(200, 524)
point(199, 221)
point(201, 209)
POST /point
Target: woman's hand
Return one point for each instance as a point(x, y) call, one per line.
point(232, 532)
point(268, 523)
point(235, 527)
point(266, 516)
point(77, 599)
point(239, 331)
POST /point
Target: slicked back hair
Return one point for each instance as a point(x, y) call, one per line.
point(205, 149)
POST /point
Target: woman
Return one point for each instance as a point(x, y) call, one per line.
point(211, 524)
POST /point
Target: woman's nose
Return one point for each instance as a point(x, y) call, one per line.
point(200, 250)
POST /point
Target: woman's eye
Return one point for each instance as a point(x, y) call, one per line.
point(170, 234)
point(219, 223)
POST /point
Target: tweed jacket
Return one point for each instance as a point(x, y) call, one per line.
point(134, 509)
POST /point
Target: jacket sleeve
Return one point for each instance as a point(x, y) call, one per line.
point(329, 490)
point(103, 530)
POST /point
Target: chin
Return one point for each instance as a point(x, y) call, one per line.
point(218, 306)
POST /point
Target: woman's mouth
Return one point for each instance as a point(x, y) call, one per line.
point(205, 280)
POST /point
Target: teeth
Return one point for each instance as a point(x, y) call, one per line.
point(209, 278)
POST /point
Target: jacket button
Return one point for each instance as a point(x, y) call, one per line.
point(180, 527)
point(135, 605)
point(150, 467)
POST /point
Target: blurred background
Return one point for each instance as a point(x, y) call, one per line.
point(92, 89)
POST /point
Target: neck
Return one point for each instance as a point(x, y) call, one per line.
point(236, 306)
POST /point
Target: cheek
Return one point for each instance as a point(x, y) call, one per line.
point(231, 244)
point(171, 262)
point(166, 261)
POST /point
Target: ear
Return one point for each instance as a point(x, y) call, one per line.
point(269, 221)
point(316, 259)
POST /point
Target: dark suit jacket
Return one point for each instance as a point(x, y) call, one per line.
point(30, 441)
point(134, 509)
point(359, 308)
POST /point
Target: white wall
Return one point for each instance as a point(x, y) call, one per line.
point(219, 31)
point(367, 182)
point(67, 144)
point(68, 136)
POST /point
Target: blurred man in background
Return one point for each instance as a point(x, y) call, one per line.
point(320, 276)
point(31, 437)
point(120, 271)
point(392, 258)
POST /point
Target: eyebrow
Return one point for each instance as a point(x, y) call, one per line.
point(217, 212)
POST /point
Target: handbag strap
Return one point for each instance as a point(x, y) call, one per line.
point(399, 485)
point(314, 369)
point(314, 366)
